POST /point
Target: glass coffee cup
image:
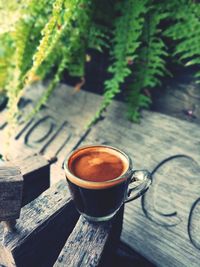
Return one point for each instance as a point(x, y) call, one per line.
point(101, 179)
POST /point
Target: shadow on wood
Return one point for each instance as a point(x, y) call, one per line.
point(113, 241)
point(42, 230)
point(36, 173)
point(91, 243)
point(127, 257)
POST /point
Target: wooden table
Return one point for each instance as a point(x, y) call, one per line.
point(163, 226)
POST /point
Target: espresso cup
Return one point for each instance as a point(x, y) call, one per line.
point(101, 179)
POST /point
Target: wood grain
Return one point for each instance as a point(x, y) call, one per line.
point(36, 173)
point(64, 106)
point(84, 246)
point(160, 225)
point(91, 244)
point(11, 189)
point(178, 97)
point(164, 225)
point(42, 230)
point(56, 129)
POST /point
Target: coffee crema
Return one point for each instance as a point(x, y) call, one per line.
point(97, 166)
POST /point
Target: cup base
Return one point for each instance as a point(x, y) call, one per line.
point(98, 219)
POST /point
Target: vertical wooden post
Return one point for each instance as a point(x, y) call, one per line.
point(11, 189)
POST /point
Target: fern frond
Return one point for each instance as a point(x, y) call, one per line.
point(72, 37)
point(185, 32)
point(52, 85)
point(25, 38)
point(127, 30)
point(45, 42)
point(7, 50)
point(64, 24)
point(136, 101)
point(27, 32)
point(98, 37)
point(80, 40)
point(149, 65)
point(62, 35)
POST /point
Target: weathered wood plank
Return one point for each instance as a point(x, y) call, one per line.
point(11, 189)
point(84, 245)
point(56, 128)
point(42, 230)
point(179, 97)
point(36, 173)
point(89, 242)
point(113, 241)
point(65, 107)
point(161, 227)
point(164, 227)
point(33, 178)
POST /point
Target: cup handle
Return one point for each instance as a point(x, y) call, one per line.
point(138, 185)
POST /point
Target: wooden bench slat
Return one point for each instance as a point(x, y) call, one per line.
point(36, 172)
point(42, 230)
point(85, 245)
point(169, 201)
point(91, 244)
point(11, 189)
point(64, 107)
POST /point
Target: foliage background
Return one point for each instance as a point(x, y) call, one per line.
point(144, 38)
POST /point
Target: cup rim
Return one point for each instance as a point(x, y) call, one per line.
point(124, 176)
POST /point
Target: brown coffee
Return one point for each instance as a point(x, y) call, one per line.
point(98, 164)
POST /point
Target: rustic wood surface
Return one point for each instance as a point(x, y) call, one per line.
point(84, 245)
point(126, 257)
point(113, 241)
point(164, 225)
point(55, 130)
point(88, 241)
point(42, 230)
point(58, 122)
point(36, 173)
point(33, 174)
point(179, 98)
point(11, 189)
point(20, 183)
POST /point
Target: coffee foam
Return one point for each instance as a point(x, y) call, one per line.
point(112, 162)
